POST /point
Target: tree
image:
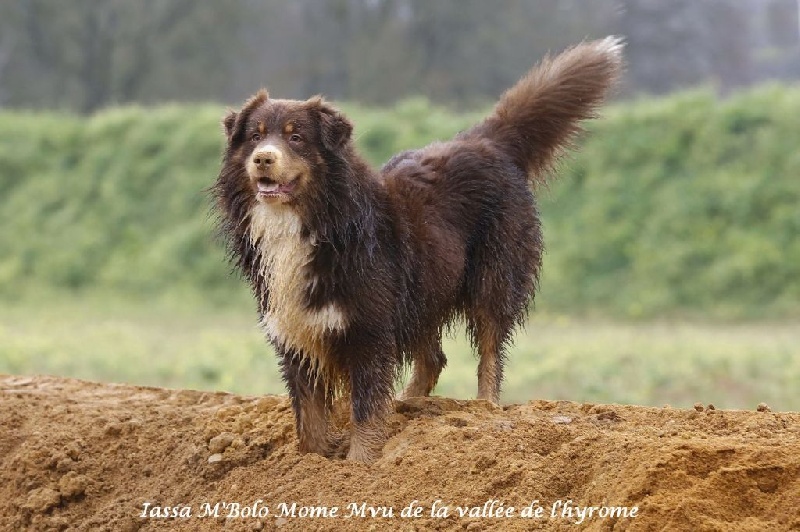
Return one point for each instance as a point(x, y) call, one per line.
point(685, 42)
point(90, 53)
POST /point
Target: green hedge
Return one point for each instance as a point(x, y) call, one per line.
point(684, 204)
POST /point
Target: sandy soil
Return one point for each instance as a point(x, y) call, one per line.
point(83, 456)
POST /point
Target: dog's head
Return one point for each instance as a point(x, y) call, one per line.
point(278, 148)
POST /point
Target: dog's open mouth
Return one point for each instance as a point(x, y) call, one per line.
point(267, 188)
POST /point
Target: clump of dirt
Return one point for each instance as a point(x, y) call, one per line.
point(83, 456)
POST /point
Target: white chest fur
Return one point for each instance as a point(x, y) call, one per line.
point(285, 255)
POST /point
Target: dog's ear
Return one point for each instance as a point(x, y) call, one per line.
point(233, 121)
point(335, 128)
point(228, 122)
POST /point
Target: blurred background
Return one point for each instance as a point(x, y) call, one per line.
point(672, 272)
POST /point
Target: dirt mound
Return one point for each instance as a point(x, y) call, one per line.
point(83, 456)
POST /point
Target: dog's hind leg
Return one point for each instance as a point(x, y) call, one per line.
point(490, 332)
point(490, 367)
point(429, 361)
point(499, 287)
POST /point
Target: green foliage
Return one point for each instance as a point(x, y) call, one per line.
point(678, 205)
point(412, 123)
point(114, 201)
point(685, 204)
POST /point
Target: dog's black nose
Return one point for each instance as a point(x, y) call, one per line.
point(266, 156)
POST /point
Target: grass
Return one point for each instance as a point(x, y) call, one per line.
point(189, 345)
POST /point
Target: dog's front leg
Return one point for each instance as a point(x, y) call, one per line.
point(312, 402)
point(371, 389)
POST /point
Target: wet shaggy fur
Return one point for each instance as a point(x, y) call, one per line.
point(357, 272)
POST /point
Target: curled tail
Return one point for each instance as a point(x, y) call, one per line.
point(540, 116)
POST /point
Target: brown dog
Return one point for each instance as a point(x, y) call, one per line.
point(356, 273)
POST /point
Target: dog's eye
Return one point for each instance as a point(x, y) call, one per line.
point(295, 138)
point(255, 137)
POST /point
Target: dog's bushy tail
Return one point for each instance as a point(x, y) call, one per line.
point(538, 118)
